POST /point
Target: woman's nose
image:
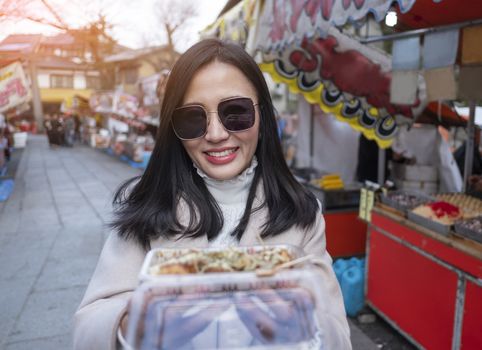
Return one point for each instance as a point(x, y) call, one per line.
point(216, 131)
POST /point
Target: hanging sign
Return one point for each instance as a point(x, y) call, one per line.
point(14, 90)
point(344, 78)
point(284, 21)
point(297, 43)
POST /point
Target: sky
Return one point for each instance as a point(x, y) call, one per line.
point(134, 20)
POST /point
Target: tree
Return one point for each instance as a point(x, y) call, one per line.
point(40, 12)
point(94, 34)
point(174, 16)
point(92, 38)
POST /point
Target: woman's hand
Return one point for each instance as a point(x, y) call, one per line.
point(278, 317)
point(180, 321)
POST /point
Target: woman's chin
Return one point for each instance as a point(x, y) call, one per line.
point(223, 172)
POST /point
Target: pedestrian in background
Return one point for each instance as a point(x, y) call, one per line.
point(69, 130)
point(216, 178)
point(48, 128)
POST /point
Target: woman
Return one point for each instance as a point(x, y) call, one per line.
point(212, 180)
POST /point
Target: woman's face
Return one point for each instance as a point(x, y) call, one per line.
point(221, 154)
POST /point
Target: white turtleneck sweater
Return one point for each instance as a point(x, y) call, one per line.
point(231, 196)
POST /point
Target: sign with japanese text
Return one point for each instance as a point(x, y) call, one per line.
point(14, 89)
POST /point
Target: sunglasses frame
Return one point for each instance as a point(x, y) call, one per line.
point(216, 112)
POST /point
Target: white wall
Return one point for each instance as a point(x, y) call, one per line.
point(79, 81)
point(43, 80)
point(335, 143)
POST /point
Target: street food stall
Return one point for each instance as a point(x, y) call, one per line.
point(426, 283)
point(425, 277)
point(15, 94)
point(118, 129)
point(424, 270)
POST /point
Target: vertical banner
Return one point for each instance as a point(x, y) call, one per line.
point(14, 90)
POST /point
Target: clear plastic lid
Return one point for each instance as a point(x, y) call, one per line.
point(160, 262)
point(229, 311)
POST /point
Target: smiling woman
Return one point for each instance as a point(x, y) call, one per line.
point(216, 178)
point(231, 131)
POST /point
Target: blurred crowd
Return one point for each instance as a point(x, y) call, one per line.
point(62, 129)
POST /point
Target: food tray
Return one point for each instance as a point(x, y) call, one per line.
point(237, 312)
point(430, 224)
point(466, 232)
point(160, 255)
point(423, 198)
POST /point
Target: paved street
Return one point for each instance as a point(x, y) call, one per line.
point(51, 232)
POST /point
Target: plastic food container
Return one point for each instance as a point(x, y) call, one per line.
point(430, 224)
point(161, 262)
point(404, 200)
point(470, 228)
point(235, 311)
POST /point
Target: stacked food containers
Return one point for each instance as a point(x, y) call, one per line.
point(238, 298)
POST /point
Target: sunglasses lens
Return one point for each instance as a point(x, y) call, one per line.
point(189, 122)
point(237, 114)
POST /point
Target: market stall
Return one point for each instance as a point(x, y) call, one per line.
point(426, 284)
point(118, 129)
point(425, 252)
point(14, 97)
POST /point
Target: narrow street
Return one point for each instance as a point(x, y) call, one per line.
point(51, 233)
point(52, 229)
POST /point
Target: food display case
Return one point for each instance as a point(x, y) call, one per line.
point(217, 299)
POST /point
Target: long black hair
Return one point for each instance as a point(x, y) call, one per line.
point(146, 206)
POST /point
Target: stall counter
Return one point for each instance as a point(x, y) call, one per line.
point(426, 285)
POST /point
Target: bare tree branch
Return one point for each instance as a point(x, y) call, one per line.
point(173, 16)
point(54, 13)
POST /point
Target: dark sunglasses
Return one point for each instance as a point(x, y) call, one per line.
point(191, 122)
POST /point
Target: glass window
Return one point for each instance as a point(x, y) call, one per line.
point(61, 81)
point(79, 82)
point(43, 80)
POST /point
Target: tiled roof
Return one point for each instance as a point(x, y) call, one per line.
point(131, 54)
point(22, 38)
point(59, 39)
point(21, 43)
point(60, 63)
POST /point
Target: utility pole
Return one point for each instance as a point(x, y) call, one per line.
point(36, 101)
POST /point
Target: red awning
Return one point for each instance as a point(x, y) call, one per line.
point(424, 14)
point(448, 116)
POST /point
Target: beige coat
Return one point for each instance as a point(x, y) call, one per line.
point(115, 277)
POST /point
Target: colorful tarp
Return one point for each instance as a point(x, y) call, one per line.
point(14, 90)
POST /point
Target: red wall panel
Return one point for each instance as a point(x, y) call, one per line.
point(414, 292)
point(346, 235)
point(443, 251)
point(472, 321)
